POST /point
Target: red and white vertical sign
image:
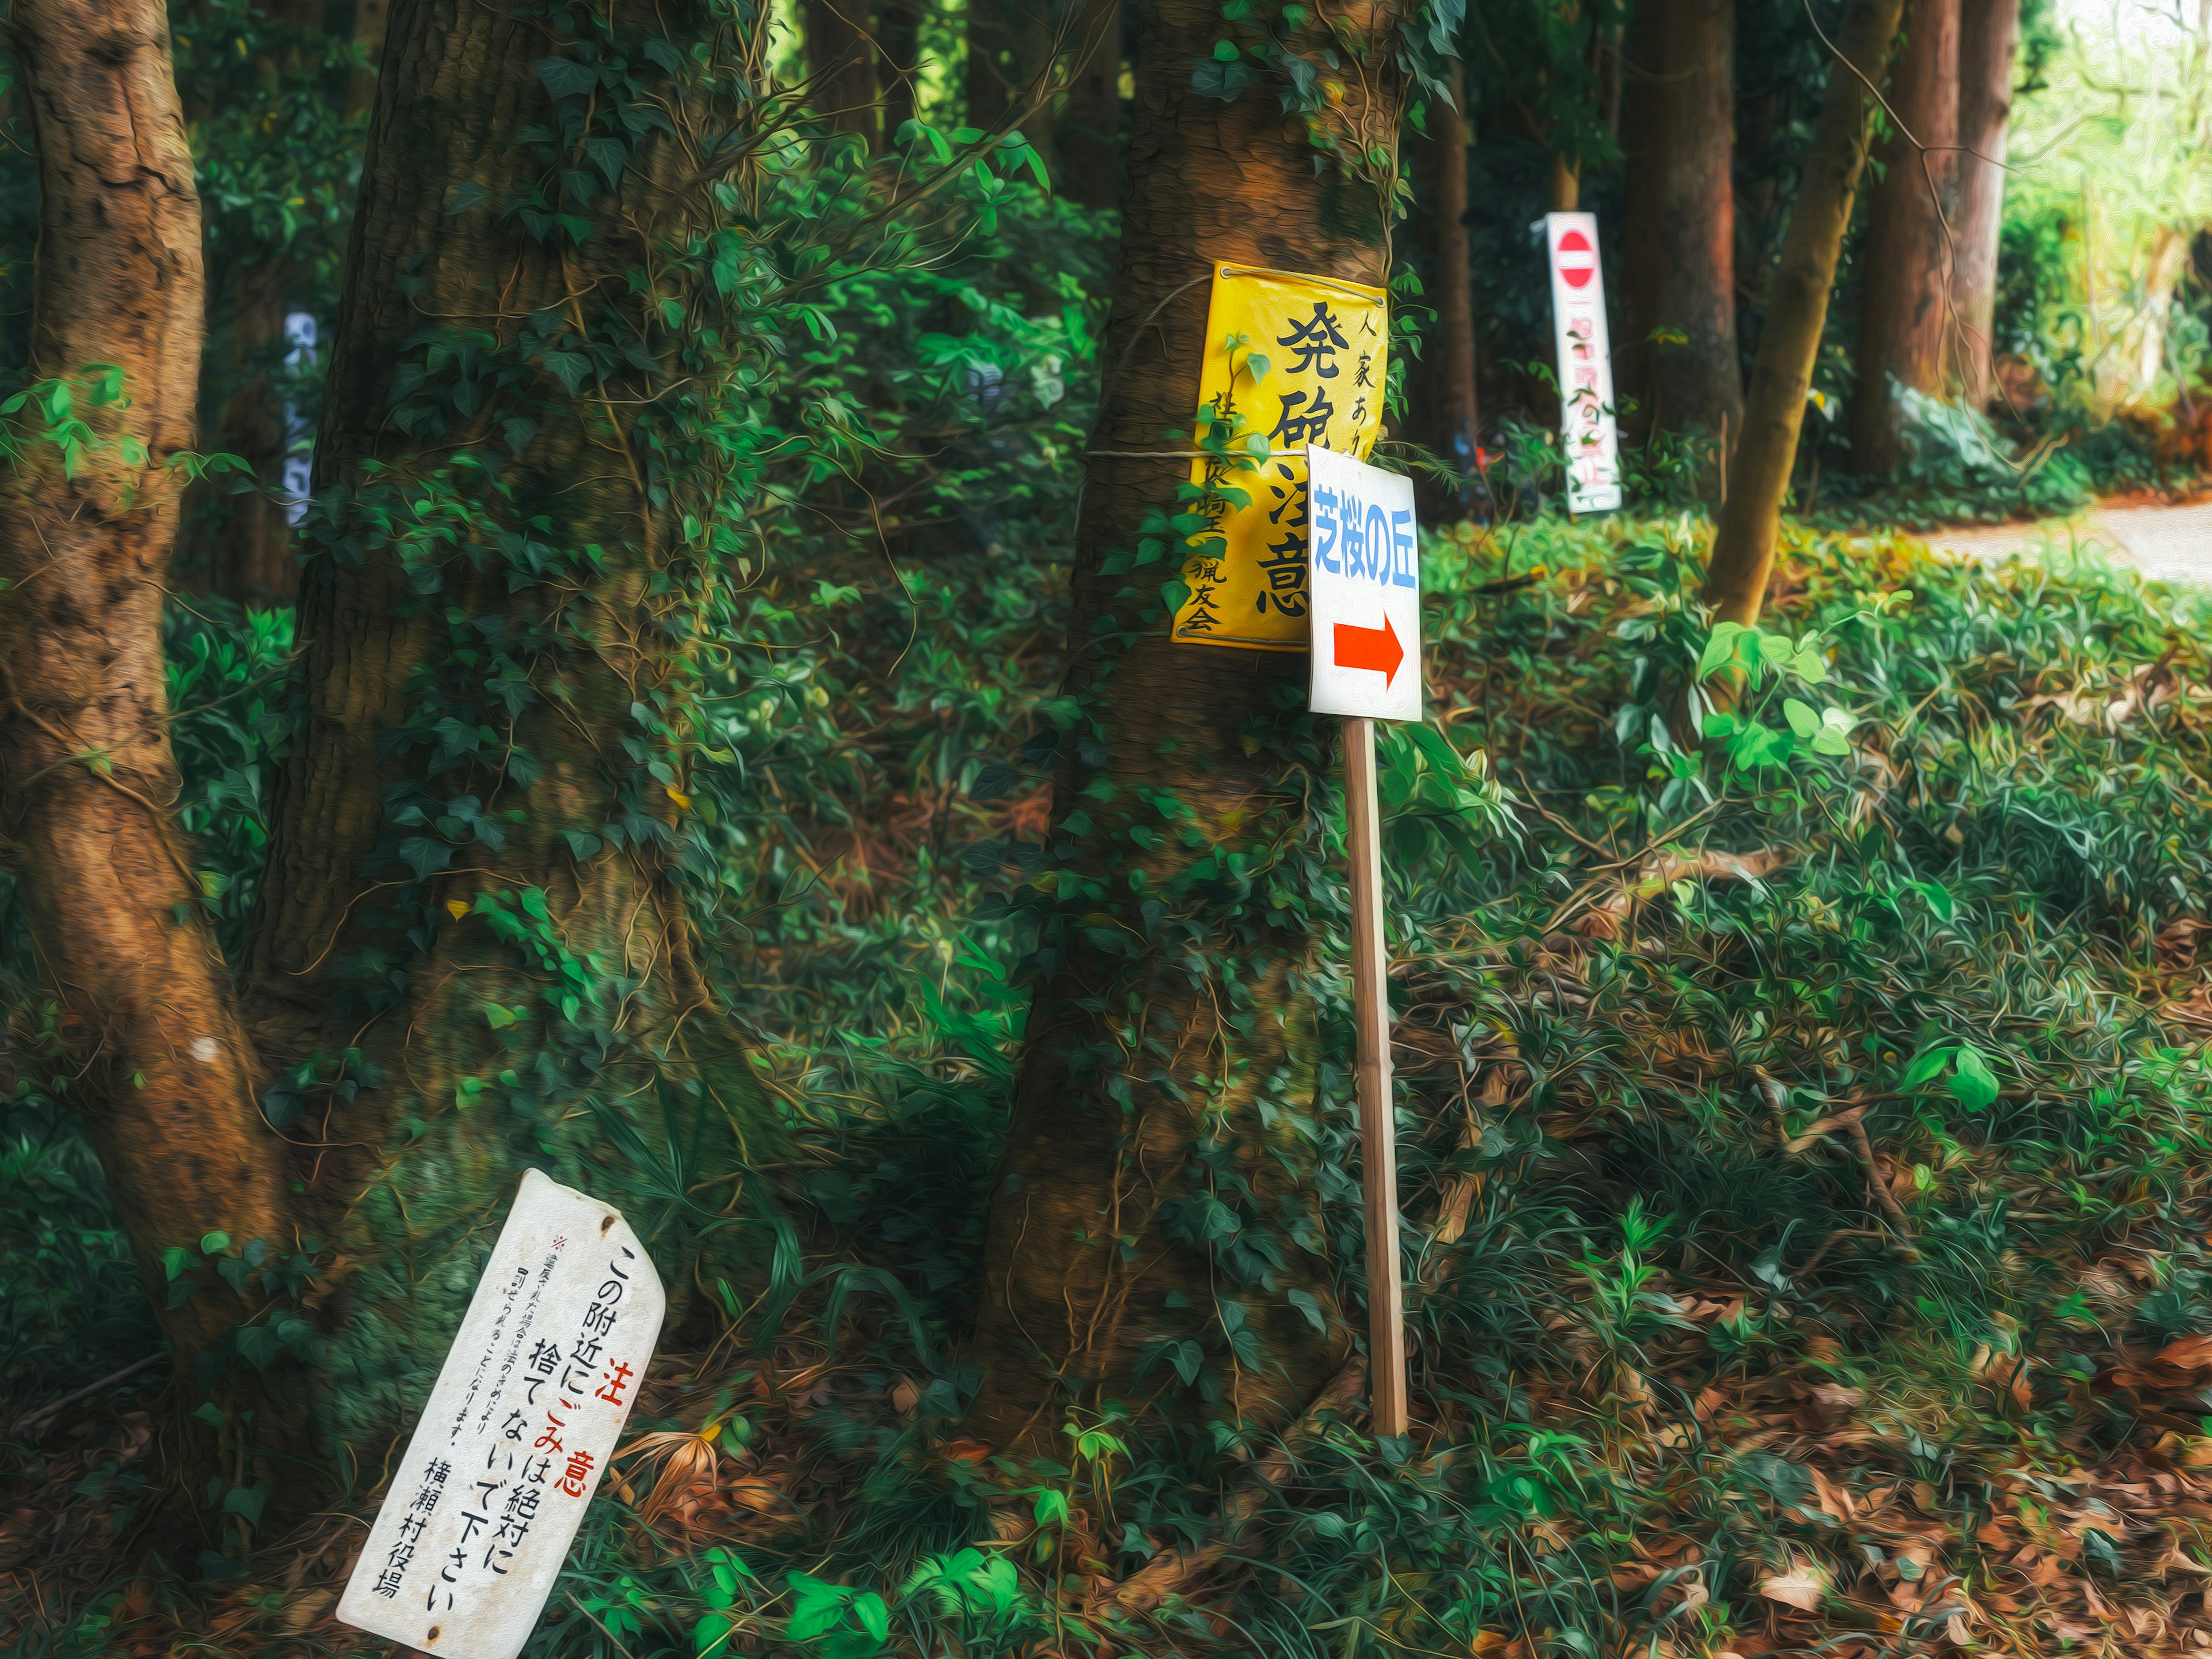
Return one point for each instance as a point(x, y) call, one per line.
point(1587, 434)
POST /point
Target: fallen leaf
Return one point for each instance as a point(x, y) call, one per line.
point(1800, 1587)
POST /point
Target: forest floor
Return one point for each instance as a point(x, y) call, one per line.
point(1830, 1117)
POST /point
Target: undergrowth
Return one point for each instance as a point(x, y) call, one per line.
point(1697, 1370)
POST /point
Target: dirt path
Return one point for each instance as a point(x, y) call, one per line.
point(2167, 543)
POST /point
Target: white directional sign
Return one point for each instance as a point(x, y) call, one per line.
point(477, 1521)
point(1587, 432)
point(1364, 574)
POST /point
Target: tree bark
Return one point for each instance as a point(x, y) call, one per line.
point(1089, 138)
point(1010, 51)
point(1164, 1142)
point(1678, 228)
point(159, 1066)
point(1459, 426)
point(1988, 38)
point(1906, 318)
point(1797, 307)
point(239, 542)
point(370, 20)
point(899, 44)
point(474, 815)
point(841, 61)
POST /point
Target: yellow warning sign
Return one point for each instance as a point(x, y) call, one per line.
point(1289, 360)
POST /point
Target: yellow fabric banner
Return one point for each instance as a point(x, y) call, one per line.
point(1289, 360)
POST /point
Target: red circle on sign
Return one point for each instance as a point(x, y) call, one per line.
point(1577, 263)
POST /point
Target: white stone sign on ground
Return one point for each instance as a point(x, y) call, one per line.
point(1364, 574)
point(478, 1522)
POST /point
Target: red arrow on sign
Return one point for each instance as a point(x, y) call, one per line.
point(1578, 261)
point(1370, 647)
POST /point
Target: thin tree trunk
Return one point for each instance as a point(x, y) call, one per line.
point(162, 1071)
point(1089, 138)
point(841, 60)
point(239, 542)
point(1906, 320)
point(1797, 306)
point(899, 23)
point(1566, 189)
point(370, 18)
point(1163, 1145)
point(1010, 51)
point(1459, 426)
point(248, 538)
point(1678, 228)
point(1988, 38)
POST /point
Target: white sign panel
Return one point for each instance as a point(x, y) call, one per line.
point(1364, 576)
point(537, 1386)
point(1587, 433)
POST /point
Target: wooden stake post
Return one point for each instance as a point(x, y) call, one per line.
point(1378, 1126)
point(1365, 585)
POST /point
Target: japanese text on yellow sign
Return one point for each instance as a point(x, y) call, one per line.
point(1294, 361)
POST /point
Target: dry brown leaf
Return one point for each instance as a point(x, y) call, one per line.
point(1801, 1587)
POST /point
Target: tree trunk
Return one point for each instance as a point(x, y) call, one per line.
point(370, 19)
point(1009, 51)
point(842, 62)
point(481, 811)
point(1089, 138)
point(1797, 306)
point(239, 542)
point(1989, 40)
point(1161, 1172)
point(1905, 320)
point(1989, 37)
point(900, 45)
point(1459, 426)
point(1566, 183)
point(245, 538)
point(469, 954)
point(159, 1066)
point(1678, 228)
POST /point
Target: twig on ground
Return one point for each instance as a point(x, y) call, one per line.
point(32, 1419)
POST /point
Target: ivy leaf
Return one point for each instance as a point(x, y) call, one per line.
point(569, 367)
point(1308, 1305)
point(564, 77)
point(1222, 81)
point(1804, 720)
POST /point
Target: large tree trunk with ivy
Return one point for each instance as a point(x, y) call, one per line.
point(1906, 327)
point(1678, 229)
point(1988, 38)
point(1797, 308)
point(471, 954)
point(1158, 1204)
